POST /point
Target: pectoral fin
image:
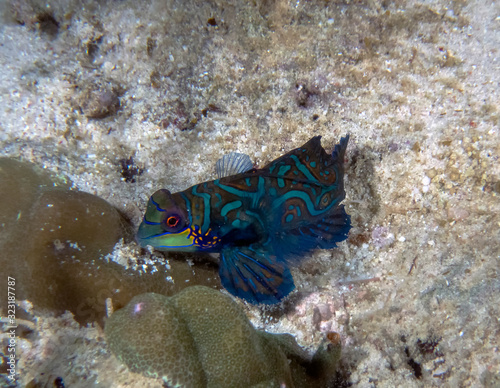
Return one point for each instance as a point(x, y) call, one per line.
point(253, 274)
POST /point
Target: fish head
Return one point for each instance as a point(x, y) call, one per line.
point(166, 224)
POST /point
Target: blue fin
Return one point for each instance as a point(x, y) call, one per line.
point(325, 233)
point(232, 164)
point(339, 151)
point(255, 275)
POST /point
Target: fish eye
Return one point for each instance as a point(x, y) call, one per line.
point(172, 221)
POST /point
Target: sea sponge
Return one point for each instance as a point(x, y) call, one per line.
point(201, 338)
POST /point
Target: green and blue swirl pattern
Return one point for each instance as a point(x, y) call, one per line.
point(260, 220)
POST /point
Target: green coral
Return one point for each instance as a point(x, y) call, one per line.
point(201, 338)
point(53, 240)
point(50, 236)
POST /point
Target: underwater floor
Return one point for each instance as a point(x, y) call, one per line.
point(106, 102)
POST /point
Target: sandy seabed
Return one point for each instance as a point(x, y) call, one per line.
point(415, 291)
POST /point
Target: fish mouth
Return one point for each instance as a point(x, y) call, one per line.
point(155, 236)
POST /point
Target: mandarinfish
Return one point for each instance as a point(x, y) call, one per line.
point(260, 220)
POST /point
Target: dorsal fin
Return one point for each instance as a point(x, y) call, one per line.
point(232, 164)
point(309, 164)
